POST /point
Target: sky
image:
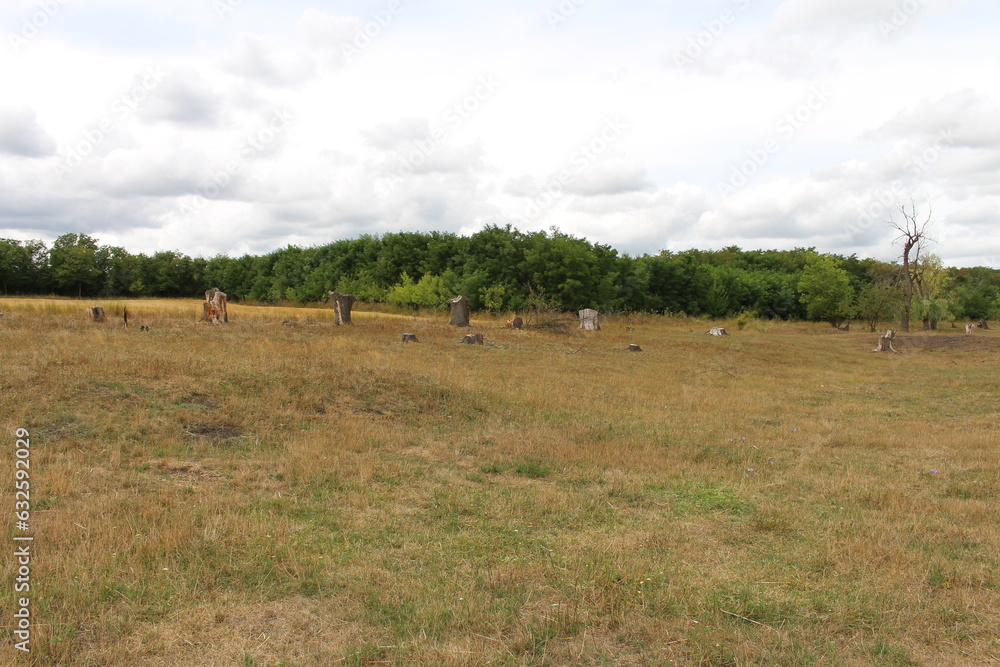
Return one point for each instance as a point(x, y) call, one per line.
point(242, 126)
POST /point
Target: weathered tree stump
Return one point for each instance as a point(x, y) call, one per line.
point(844, 327)
point(515, 323)
point(983, 324)
point(125, 317)
point(969, 328)
point(96, 314)
point(588, 320)
point(459, 312)
point(885, 342)
point(634, 348)
point(473, 339)
point(409, 338)
point(717, 331)
point(342, 307)
point(214, 309)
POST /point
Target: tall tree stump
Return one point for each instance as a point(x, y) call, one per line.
point(409, 338)
point(125, 317)
point(473, 339)
point(983, 324)
point(459, 312)
point(515, 323)
point(588, 320)
point(342, 307)
point(885, 342)
point(214, 309)
point(718, 331)
point(96, 314)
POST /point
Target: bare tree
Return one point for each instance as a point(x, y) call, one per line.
point(912, 237)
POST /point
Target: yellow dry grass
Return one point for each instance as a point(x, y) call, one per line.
point(267, 494)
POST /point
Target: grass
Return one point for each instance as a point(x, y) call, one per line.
point(271, 495)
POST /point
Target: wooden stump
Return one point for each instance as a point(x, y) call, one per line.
point(983, 324)
point(717, 331)
point(588, 320)
point(96, 314)
point(459, 312)
point(885, 342)
point(409, 338)
point(342, 307)
point(634, 348)
point(473, 339)
point(125, 317)
point(844, 327)
point(214, 309)
point(515, 323)
point(969, 328)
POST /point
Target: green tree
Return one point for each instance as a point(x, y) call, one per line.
point(22, 266)
point(428, 292)
point(826, 289)
point(933, 284)
point(878, 302)
point(76, 263)
point(493, 297)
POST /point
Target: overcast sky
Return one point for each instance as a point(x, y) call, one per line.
point(233, 126)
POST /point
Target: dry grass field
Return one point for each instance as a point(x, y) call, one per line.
point(266, 494)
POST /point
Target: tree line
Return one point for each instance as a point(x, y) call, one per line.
point(503, 269)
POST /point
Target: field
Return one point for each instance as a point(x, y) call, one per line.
point(270, 494)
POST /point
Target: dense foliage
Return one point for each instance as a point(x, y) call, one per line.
point(503, 269)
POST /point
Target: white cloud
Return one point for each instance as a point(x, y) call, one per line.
point(359, 122)
point(20, 133)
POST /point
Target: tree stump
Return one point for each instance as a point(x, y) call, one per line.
point(885, 342)
point(409, 338)
point(969, 328)
point(473, 339)
point(983, 324)
point(634, 348)
point(844, 327)
point(588, 320)
point(342, 307)
point(214, 309)
point(515, 323)
point(125, 317)
point(717, 331)
point(459, 312)
point(96, 314)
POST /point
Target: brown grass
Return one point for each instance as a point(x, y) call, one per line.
point(260, 494)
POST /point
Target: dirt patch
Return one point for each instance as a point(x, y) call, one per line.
point(920, 343)
point(215, 432)
point(196, 399)
point(188, 472)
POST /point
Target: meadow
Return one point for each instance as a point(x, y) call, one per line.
point(262, 493)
